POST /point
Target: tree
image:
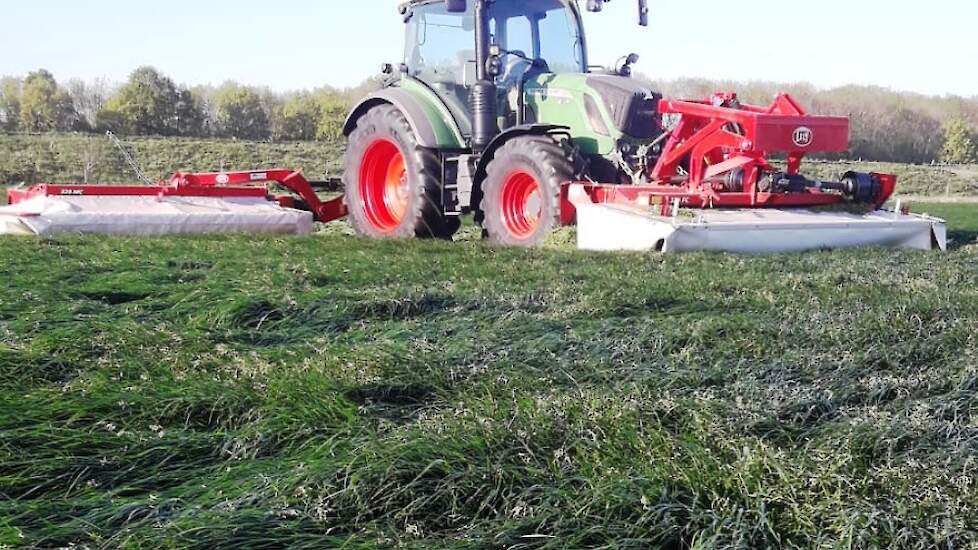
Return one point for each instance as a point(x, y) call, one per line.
point(241, 113)
point(44, 107)
point(112, 121)
point(151, 104)
point(88, 98)
point(333, 110)
point(190, 117)
point(959, 143)
point(298, 119)
point(9, 104)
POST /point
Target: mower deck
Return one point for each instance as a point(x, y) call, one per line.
point(211, 203)
point(622, 227)
point(151, 216)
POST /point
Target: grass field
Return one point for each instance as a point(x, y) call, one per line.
point(253, 392)
point(70, 158)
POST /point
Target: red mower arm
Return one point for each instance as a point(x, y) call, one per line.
point(293, 180)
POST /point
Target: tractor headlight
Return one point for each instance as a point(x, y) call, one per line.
point(594, 116)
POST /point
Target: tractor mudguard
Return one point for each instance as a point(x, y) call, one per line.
point(510, 133)
point(430, 119)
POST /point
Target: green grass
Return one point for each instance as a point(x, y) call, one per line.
point(933, 181)
point(260, 392)
point(63, 158)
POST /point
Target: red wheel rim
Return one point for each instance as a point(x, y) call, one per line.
point(384, 186)
point(522, 204)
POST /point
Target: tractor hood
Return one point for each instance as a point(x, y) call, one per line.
point(601, 110)
point(632, 106)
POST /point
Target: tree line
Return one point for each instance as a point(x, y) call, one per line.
point(886, 125)
point(150, 104)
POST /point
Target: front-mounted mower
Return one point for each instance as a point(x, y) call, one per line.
point(496, 111)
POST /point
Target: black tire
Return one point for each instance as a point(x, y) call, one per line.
point(540, 158)
point(383, 144)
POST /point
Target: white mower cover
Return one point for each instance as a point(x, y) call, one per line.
point(612, 227)
point(151, 216)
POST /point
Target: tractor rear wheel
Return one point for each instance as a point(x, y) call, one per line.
point(521, 192)
point(392, 184)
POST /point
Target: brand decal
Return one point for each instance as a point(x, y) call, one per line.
point(803, 136)
point(557, 94)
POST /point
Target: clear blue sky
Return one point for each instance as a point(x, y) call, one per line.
point(929, 47)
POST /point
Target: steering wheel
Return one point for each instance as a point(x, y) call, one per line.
point(516, 66)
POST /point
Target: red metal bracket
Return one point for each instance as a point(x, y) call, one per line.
point(717, 136)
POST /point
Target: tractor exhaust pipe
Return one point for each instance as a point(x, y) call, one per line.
point(482, 99)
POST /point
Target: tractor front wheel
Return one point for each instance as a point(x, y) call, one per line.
point(392, 183)
point(521, 193)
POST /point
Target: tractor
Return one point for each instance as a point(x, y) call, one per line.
point(493, 109)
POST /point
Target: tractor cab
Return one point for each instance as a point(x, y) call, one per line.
point(525, 38)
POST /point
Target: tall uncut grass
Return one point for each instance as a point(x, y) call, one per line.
point(259, 392)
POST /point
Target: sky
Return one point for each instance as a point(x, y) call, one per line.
point(928, 47)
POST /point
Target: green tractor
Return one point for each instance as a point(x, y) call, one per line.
point(493, 109)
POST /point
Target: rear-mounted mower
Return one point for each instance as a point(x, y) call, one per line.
point(522, 132)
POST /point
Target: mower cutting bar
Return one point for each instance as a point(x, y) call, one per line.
point(609, 219)
point(220, 202)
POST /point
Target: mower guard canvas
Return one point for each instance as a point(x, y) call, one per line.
point(623, 227)
point(151, 216)
point(206, 203)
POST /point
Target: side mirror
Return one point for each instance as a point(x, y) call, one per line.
point(456, 6)
point(626, 67)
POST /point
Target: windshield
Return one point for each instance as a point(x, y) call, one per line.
point(441, 45)
point(542, 29)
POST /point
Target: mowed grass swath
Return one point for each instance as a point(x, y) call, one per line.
point(247, 392)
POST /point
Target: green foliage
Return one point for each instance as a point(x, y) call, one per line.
point(318, 116)
point(298, 119)
point(44, 107)
point(151, 104)
point(959, 143)
point(241, 113)
point(9, 104)
point(268, 392)
point(886, 125)
point(334, 112)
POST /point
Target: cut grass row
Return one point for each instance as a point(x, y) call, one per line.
point(261, 392)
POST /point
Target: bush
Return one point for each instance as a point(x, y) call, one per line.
point(959, 143)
